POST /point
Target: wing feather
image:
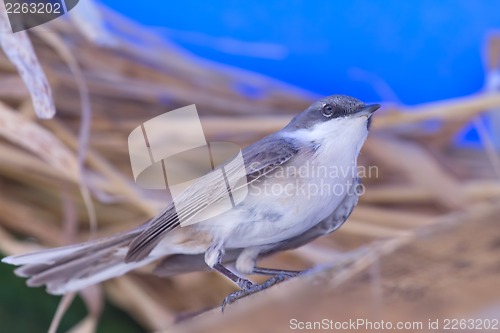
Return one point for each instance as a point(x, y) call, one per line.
point(259, 159)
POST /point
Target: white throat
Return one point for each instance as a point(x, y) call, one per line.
point(339, 138)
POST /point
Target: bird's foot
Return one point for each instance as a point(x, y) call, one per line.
point(254, 288)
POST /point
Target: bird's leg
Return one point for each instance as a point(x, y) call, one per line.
point(274, 272)
point(246, 286)
point(213, 258)
point(241, 282)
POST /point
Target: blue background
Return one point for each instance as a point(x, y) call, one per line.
point(424, 50)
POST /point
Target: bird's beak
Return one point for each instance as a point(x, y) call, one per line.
point(368, 110)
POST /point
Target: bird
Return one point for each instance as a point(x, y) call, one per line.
point(301, 183)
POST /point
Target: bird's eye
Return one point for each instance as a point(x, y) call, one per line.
point(327, 110)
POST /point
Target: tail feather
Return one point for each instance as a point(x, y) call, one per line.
point(75, 267)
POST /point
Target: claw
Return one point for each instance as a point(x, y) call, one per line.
point(229, 299)
point(254, 288)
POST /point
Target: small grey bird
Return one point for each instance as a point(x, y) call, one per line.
point(301, 184)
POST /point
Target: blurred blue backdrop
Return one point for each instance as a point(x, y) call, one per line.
point(405, 51)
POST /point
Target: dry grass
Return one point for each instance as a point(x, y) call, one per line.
point(68, 179)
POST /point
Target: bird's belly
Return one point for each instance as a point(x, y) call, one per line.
point(275, 216)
